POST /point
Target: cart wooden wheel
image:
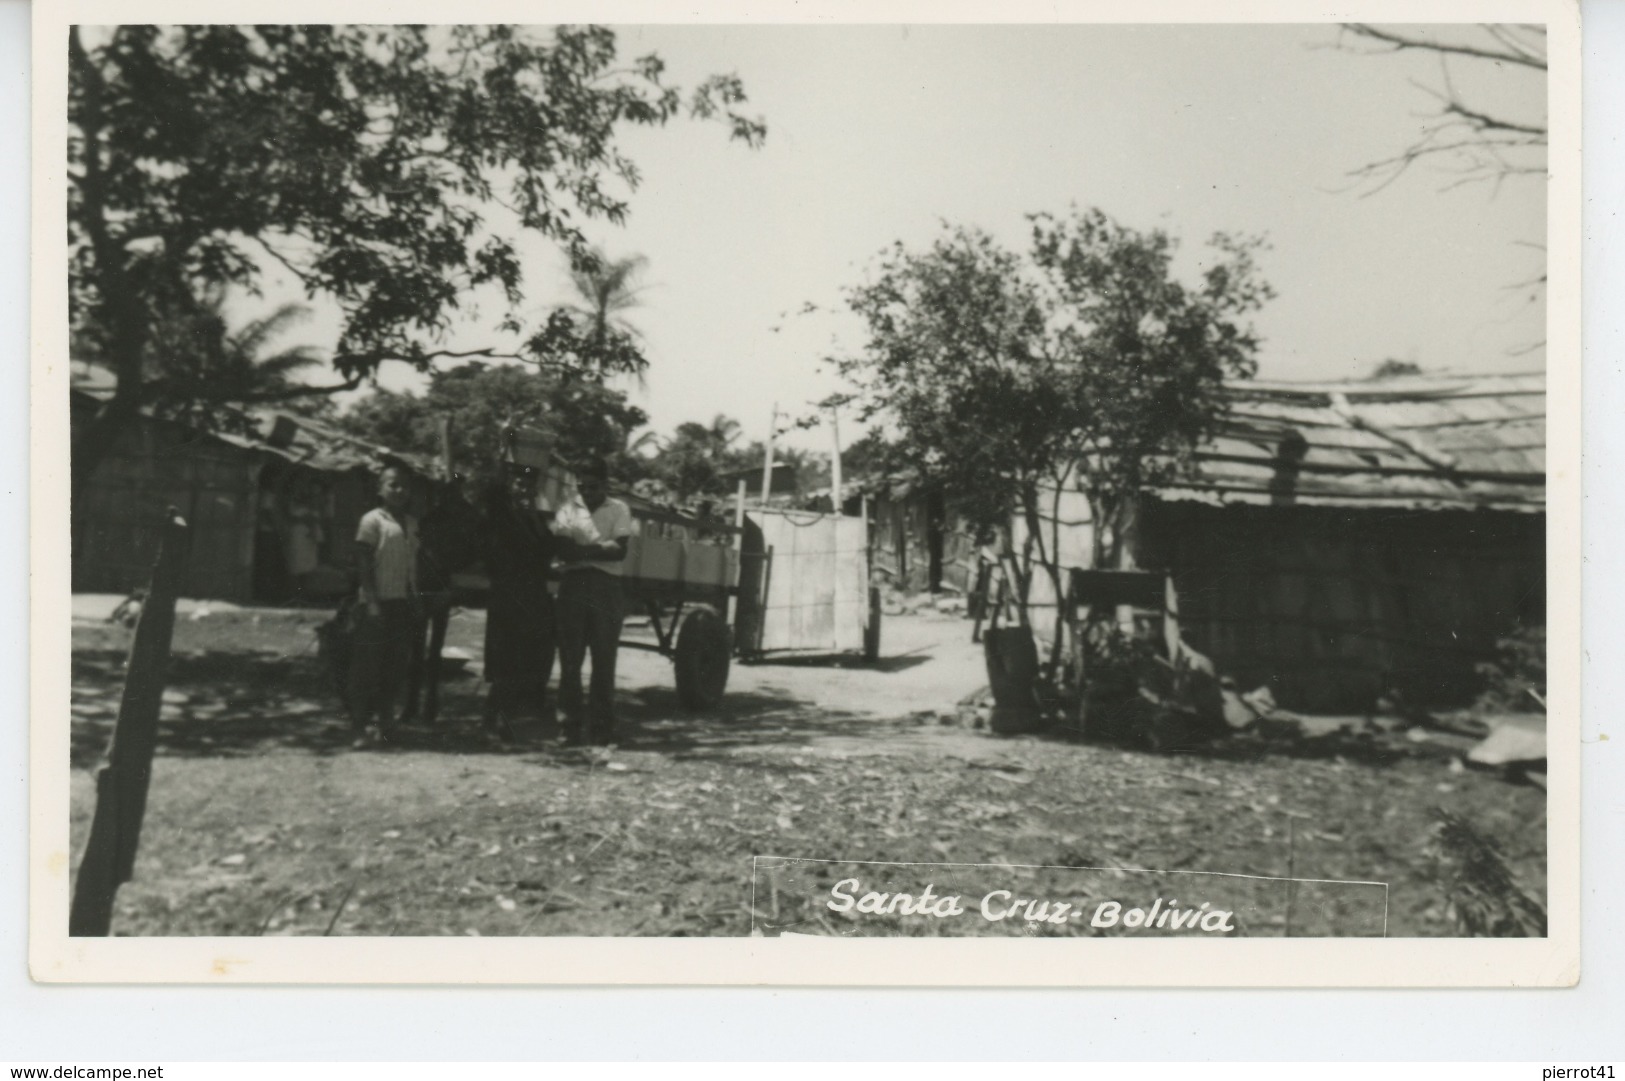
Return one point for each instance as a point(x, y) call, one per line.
point(703, 649)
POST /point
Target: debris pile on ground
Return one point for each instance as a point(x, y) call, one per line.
point(975, 709)
point(1192, 710)
point(1514, 739)
point(896, 603)
point(1187, 707)
point(128, 612)
point(1485, 898)
point(947, 602)
point(1516, 744)
point(1256, 712)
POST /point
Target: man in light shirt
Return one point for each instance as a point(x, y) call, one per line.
point(592, 530)
point(387, 615)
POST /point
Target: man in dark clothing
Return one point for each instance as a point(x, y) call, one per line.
point(519, 627)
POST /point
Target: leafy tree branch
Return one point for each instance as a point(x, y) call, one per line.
point(1084, 364)
point(366, 162)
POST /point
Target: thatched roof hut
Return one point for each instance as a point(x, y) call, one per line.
point(1340, 540)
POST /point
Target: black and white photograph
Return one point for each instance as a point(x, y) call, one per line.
point(772, 482)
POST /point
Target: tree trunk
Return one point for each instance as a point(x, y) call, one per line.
point(1127, 534)
point(1124, 544)
point(96, 439)
point(1046, 559)
point(936, 517)
point(1062, 626)
point(120, 308)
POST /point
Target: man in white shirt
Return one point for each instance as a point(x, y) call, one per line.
point(592, 531)
point(387, 616)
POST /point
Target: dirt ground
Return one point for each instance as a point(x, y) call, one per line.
point(263, 820)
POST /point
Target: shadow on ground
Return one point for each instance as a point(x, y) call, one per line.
point(221, 704)
point(656, 721)
point(234, 704)
point(899, 663)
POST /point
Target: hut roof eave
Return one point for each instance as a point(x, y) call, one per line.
point(1416, 442)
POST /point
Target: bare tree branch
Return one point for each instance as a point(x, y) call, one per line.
point(1474, 142)
point(448, 354)
point(1484, 145)
point(1400, 42)
point(309, 390)
point(1505, 35)
point(1474, 170)
point(1485, 122)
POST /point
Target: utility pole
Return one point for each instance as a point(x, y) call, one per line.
point(445, 445)
point(767, 454)
point(835, 459)
point(122, 782)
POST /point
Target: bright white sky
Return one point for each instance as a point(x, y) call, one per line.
point(876, 134)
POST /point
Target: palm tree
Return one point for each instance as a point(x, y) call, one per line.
point(605, 290)
point(724, 431)
point(647, 445)
point(589, 333)
point(205, 373)
point(246, 374)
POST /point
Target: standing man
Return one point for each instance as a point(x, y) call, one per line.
point(387, 616)
point(519, 624)
point(593, 531)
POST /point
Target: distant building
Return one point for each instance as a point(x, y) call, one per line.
point(1334, 541)
point(919, 541)
point(782, 481)
point(272, 513)
point(1342, 539)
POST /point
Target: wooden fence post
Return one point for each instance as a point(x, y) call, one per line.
point(122, 781)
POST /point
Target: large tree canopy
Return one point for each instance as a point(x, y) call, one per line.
point(1085, 364)
point(702, 461)
point(583, 418)
point(1144, 354)
point(693, 459)
point(955, 365)
point(391, 170)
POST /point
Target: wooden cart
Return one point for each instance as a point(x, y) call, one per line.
point(684, 574)
point(782, 581)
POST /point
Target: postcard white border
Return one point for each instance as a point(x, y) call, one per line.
point(53, 957)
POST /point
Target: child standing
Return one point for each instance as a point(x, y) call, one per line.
point(387, 617)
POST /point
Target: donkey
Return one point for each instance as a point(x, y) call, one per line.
point(448, 542)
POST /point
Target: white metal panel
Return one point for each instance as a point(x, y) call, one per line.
point(818, 581)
